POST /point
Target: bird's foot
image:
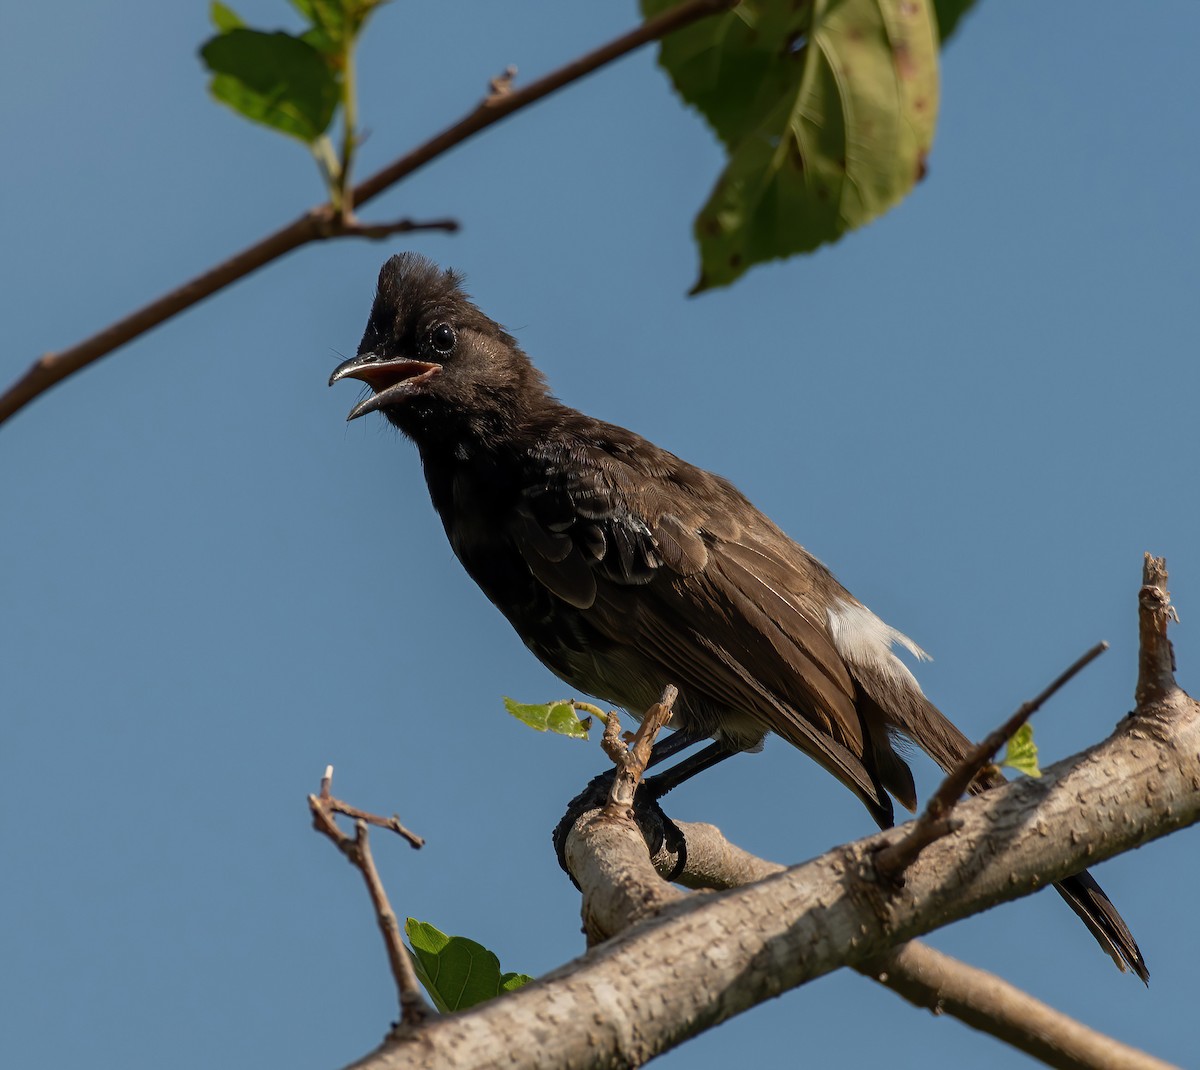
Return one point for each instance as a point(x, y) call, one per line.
point(664, 840)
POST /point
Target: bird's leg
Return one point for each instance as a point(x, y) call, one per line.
point(669, 746)
point(658, 786)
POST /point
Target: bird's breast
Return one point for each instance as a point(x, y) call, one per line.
point(474, 499)
point(475, 502)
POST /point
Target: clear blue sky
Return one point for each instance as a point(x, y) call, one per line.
point(980, 411)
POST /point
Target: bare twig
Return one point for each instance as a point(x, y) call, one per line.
point(413, 1008)
point(631, 760)
point(936, 822)
point(1156, 655)
point(315, 224)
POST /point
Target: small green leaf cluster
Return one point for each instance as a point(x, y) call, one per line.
point(456, 972)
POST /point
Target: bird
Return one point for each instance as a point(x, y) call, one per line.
point(624, 568)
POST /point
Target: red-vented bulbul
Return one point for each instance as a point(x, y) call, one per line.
point(624, 568)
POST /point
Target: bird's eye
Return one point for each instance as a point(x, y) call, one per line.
point(442, 338)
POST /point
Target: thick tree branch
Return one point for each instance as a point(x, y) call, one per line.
point(937, 982)
point(322, 221)
point(693, 963)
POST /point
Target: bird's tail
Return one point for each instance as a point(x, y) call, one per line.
point(1089, 901)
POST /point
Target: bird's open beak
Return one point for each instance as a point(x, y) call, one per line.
point(392, 380)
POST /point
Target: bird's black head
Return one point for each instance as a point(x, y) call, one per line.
point(439, 367)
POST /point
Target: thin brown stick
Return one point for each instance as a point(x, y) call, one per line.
point(936, 822)
point(323, 806)
point(321, 221)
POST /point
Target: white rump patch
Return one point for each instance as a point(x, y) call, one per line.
point(864, 640)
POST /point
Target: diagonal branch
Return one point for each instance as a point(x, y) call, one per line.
point(320, 222)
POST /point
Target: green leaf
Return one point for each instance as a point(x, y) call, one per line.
point(827, 113)
point(729, 67)
point(1021, 753)
point(948, 13)
point(557, 717)
point(457, 973)
point(274, 79)
point(224, 18)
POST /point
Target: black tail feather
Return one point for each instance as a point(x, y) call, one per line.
point(1087, 899)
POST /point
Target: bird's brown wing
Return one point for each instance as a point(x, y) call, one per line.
point(676, 566)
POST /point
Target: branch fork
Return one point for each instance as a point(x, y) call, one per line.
point(414, 1010)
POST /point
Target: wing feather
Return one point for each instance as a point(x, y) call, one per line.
point(765, 661)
